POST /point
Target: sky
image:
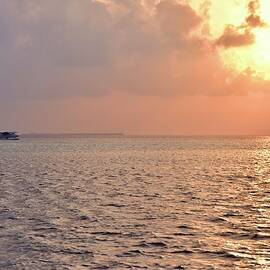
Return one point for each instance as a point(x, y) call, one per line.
point(149, 67)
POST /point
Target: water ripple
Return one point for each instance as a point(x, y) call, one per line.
point(135, 203)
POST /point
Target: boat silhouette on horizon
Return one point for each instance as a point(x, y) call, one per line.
point(7, 135)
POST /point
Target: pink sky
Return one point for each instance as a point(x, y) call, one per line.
point(138, 67)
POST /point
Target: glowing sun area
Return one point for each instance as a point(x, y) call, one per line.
point(255, 57)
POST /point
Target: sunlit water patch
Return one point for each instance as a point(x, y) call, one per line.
point(135, 203)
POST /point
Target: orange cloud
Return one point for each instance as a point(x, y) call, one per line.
point(253, 19)
point(106, 65)
point(238, 36)
point(93, 48)
point(235, 37)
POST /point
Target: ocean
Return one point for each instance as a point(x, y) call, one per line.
point(135, 203)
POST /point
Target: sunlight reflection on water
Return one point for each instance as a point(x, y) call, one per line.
point(135, 203)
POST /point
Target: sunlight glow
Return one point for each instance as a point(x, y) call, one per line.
point(255, 57)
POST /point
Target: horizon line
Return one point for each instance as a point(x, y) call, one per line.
point(122, 134)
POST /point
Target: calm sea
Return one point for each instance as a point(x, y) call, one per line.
point(135, 203)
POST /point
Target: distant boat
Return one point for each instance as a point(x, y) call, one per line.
point(9, 136)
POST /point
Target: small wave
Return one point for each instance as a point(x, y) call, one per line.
point(183, 234)
point(260, 236)
point(222, 253)
point(152, 244)
point(76, 252)
point(183, 251)
point(106, 233)
point(232, 214)
point(184, 226)
point(247, 236)
point(157, 244)
point(131, 253)
point(114, 205)
point(217, 220)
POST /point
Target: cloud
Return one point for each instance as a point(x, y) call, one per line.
point(176, 19)
point(253, 19)
point(235, 37)
point(66, 48)
point(238, 36)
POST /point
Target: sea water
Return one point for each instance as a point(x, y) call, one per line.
point(135, 203)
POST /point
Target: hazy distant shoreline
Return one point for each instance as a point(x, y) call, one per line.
point(70, 135)
point(117, 135)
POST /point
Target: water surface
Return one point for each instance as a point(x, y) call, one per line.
point(135, 203)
